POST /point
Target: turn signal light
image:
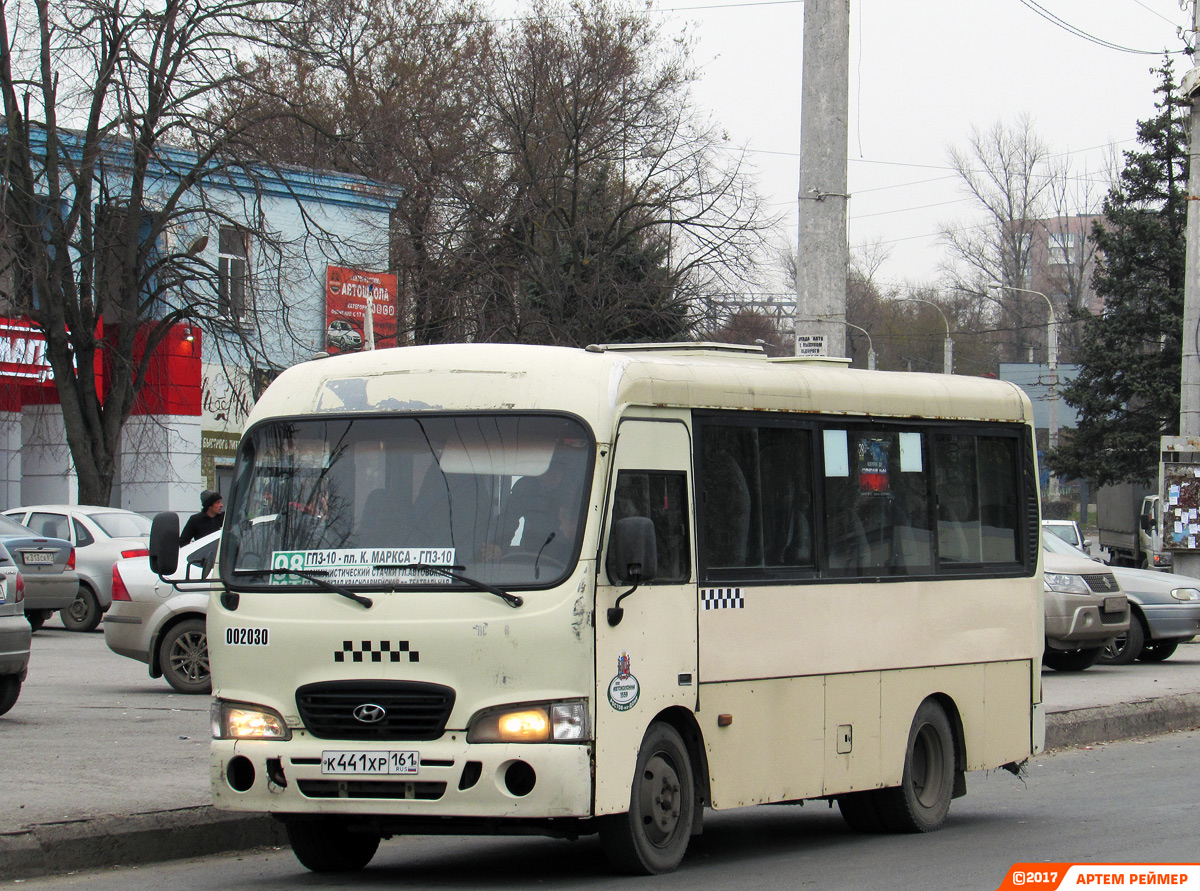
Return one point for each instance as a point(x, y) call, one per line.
point(20, 589)
point(71, 560)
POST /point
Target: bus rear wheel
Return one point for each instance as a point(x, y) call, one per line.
point(326, 845)
point(652, 837)
point(922, 800)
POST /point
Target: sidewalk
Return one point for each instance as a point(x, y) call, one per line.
point(104, 766)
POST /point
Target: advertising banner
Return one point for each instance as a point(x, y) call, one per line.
point(347, 293)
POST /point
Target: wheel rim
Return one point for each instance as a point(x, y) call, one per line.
point(80, 609)
point(928, 766)
point(660, 800)
point(188, 657)
point(1117, 647)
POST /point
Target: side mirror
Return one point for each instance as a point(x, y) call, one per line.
point(164, 543)
point(633, 551)
point(1147, 524)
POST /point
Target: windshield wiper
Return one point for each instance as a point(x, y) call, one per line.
point(315, 578)
point(448, 571)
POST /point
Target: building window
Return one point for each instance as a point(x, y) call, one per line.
point(232, 271)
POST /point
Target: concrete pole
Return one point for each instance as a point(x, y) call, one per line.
point(822, 255)
point(1188, 562)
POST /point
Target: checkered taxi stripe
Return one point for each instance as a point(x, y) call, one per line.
point(722, 598)
point(375, 651)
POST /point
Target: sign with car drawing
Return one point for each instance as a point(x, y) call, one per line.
point(347, 294)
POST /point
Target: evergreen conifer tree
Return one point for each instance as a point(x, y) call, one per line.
point(1127, 390)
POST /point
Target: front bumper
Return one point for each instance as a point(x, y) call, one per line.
point(1080, 620)
point(456, 779)
point(1172, 620)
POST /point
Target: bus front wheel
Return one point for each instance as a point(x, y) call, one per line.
point(652, 837)
point(326, 845)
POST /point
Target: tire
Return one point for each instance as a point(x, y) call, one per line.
point(183, 657)
point(1124, 648)
point(37, 618)
point(1071, 660)
point(922, 800)
point(84, 614)
point(652, 837)
point(860, 812)
point(326, 845)
point(1158, 650)
point(10, 689)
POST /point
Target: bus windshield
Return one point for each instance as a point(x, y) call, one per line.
point(371, 502)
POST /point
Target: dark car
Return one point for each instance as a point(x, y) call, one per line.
point(47, 566)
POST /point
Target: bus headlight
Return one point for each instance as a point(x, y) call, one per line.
point(532, 722)
point(241, 720)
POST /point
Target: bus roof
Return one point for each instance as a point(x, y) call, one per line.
point(597, 383)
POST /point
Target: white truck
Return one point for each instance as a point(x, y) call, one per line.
point(1129, 517)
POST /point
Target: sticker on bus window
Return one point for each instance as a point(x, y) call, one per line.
point(623, 690)
point(365, 565)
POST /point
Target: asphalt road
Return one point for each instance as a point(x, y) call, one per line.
point(1133, 802)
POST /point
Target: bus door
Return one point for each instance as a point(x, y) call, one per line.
point(647, 661)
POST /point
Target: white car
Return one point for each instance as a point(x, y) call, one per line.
point(155, 622)
point(101, 536)
point(1068, 531)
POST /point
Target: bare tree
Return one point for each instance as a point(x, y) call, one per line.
point(107, 158)
point(1011, 175)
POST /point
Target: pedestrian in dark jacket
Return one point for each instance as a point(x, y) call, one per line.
point(207, 520)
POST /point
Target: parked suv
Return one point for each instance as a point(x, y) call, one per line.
point(1085, 610)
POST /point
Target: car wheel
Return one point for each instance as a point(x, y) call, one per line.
point(1124, 648)
point(183, 657)
point(326, 845)
point(84, 614)
point(10, 689)
point(922, 800)
point(1158, 650)
point(37, 617)
point(1071, 660)
point(652, 837)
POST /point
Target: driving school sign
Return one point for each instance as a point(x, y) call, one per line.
point(347, 295)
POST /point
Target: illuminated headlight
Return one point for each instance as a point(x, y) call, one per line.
point(532, 722)
point(1185, 594)
point(240, 720)
point(1066, 584)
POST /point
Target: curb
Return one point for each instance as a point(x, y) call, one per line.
point(46, 849)
point(1126, 720)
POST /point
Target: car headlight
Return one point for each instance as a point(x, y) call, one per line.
point(1066, 584)
point(241, 720)
point(532, 722)
point(1185, 594)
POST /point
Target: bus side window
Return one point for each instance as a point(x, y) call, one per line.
point(661, 496)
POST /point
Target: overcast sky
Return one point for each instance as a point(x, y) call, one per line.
point(922, 72)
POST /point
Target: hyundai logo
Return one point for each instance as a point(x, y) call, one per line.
point(370, 713)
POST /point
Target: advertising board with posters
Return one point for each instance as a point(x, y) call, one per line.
point(347, 293)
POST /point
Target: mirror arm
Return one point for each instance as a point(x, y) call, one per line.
point(615, 613)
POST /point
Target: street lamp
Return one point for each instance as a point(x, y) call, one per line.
point(870, 345)
point(1052, 361)
point(948, 346)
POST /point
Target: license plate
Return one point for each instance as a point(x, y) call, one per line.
point(371, 763)
point(1114, 604)
point(38, 559)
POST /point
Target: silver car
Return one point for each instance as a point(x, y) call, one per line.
point(101, 536)
point(14, 633)
point(155, 622)
point(47, 566)
point(1166, 612)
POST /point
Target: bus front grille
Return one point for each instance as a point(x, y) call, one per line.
point(375, 710)
point(389, 789)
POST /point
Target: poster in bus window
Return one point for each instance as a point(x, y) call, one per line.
point(872, 466)
point(347, 292)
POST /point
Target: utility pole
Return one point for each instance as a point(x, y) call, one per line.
point(1187, 444)
point(821, 254)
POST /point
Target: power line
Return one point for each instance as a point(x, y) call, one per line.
point(1092, 38)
